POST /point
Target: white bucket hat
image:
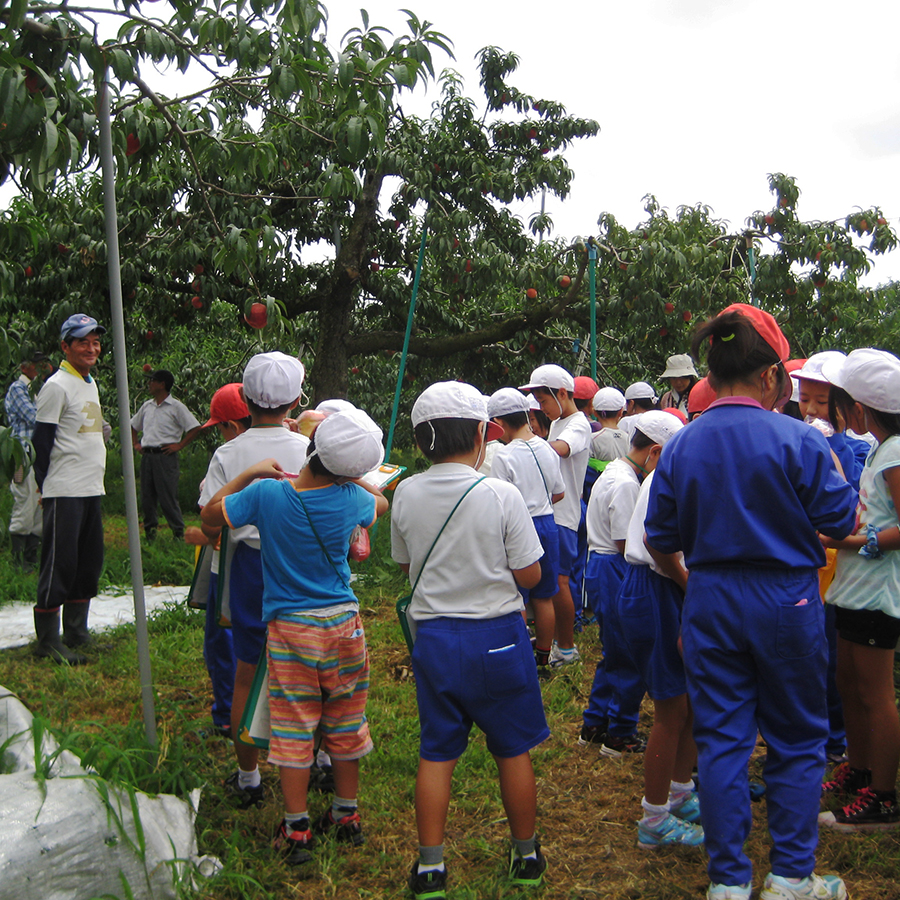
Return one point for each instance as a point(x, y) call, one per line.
point(679, 366)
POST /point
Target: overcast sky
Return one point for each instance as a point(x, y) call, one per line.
point(698, 100)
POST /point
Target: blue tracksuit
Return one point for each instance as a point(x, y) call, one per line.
point(742, 492)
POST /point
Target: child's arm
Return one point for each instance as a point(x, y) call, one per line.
point(561, 447)
point(555, 498)
point(528, 577)
point(381, 502)
point(670, 564)
point(889, 539)
point(213, 513)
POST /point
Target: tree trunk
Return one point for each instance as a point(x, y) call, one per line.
point(328, 377)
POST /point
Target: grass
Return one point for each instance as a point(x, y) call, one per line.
point(587, 804)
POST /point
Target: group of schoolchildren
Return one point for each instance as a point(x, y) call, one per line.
point(694, 535)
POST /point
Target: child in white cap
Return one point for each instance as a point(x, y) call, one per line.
point(532, 466)
point(271, 387)
point(640, 397)
point(647, 616)
point(570, 436)
point(866, 592)
point(467, 542)
point(611, 442)
point(318, 662)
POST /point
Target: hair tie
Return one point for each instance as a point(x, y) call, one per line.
point(729, 338)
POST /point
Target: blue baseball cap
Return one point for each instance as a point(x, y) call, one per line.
point(79, 326)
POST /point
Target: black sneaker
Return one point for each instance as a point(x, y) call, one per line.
point(246, 797)
point(871, 811)
point(615, 745)
point(347, 829)
point(527, 871)
point(428, 885)
point(592, 734)
point(295, 844)
point(847, 780)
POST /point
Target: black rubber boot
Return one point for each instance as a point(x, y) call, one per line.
point(46, 627)
point(75, 630)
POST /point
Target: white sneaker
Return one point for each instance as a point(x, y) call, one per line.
point(557, 659)
point(815, 887)
point(729, 891)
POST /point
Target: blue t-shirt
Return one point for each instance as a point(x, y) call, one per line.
point(744, 486)
point(297, 575)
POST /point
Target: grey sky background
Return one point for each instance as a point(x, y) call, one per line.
point(698, 100)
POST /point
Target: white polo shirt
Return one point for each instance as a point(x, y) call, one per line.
point(575, 430)
point(163, 423)
point(635, 551)
point(469, 572)
point(533, 467)
point(611, 506)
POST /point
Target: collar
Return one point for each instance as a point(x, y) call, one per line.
point(66, 366)
point(736, 401)
point(24, 379)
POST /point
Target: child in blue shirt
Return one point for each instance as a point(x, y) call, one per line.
point(318, 663)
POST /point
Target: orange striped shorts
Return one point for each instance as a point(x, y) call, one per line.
point(318, 678)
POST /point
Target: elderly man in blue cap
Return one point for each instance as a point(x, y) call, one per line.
point(70, 461)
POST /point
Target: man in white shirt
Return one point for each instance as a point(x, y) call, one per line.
point(70, 461)
point(166, 426)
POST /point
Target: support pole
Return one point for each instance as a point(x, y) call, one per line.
point(409, 324)
point(592, 282)
point(119, 354)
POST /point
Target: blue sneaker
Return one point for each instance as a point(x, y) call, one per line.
point(670, 832)
point(814, 887)
point(688, 810)
point(729, 892)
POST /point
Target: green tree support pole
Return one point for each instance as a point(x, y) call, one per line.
point(592, 281)
point(409, 324)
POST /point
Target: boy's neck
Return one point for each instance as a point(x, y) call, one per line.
point(266, 419)
point(465, 459)
point(521, 434)
point(307, 480)
point(568, 408)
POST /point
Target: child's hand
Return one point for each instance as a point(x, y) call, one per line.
point(268, 468)
point(195, 536)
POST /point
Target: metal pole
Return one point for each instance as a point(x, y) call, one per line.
point(409, 324)
point(751, 260)
point(592, 280)
point(119, 353)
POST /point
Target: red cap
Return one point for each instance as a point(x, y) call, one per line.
point(793, 364)
point(585, 388)
point(765, 326)
point(226, 405)
point(672, 411)
point(701, 396)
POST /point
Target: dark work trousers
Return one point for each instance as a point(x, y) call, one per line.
point(159, 487)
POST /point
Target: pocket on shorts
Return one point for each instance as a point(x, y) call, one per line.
point(636, 618)
point(799, 631)
point(352, 661)
point(504, 671)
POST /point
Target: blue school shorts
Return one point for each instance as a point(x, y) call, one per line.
point(568, 550)
point(248, 631)
point(477, 671)
point(649, 611)
point(548, 534)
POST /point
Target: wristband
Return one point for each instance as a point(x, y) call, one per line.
point(870, 549)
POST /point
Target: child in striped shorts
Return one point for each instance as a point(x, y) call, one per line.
point(318, 663)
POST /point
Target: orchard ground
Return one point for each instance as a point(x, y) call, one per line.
point(587, 804)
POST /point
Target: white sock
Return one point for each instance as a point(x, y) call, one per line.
point(678, 792)
point(653, 815)
point(249, 779)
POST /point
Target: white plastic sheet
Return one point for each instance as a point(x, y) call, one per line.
point(72, 836)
